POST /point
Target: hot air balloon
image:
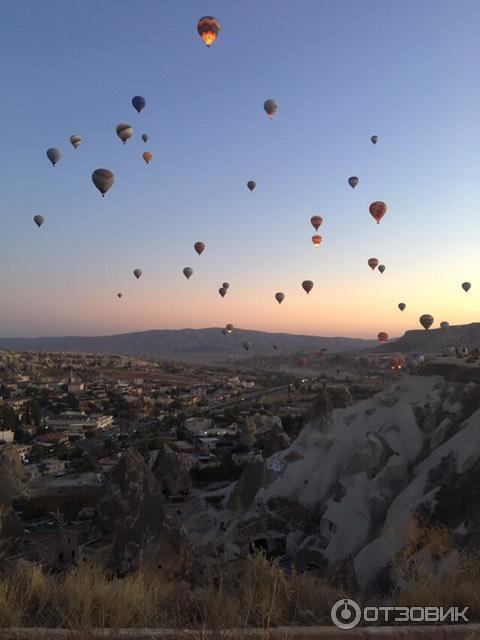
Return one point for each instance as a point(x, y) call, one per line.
point(76, 141)
point(147, 156)
point(396, 362)
point(246, 346)
point(222, 291)
point(225, 285)
point(188, 272)
point(426, 321)
point(54, 155)
point(103, 179)
point(144, 137)
point(374, 139)
point(307, 285)
point(138, 103)
point(251, 184)
point(381, 268)
point(39, 220)
point(353, 181)
point(402, 306)
point(137, 273)
point(316, 222)
point(119, 295)
point(124, 132)
point(270, 107)
point(199, 247)
point(466, 286)
point(317, 240)
point(377, 210)
point(208, 29)
point(279, 297)
point(382, 337)
point(229, 328)
point(372, 263)
point(444, 325)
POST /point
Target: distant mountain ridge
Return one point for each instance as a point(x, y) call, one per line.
point(187, 344)
point(433, 340)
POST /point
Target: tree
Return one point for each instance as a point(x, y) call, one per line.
point(9, 419)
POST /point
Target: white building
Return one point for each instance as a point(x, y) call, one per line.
point(7, 436)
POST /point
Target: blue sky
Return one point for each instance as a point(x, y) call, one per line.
point(340, 71)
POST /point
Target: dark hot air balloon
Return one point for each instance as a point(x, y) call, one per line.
point(103, 179)
point(466, 286)
point(222, 291)
point(208, 29)
point(145, 137)
point(188, 272)
point(225, 285)
point(199, 247)
point(229, 328)
point(307, 285)
point(381, 268)
point(270, 107)
point(374, 139)
point(138, 103)
point(426, 321)
point(246, 346)
point(137, 273)
point(401, 306)
point(353, 181)
point(279, 297)
point(119, 295)
point(39, 220)
point(251, 184)
point(372, 263)
point(377, 210)
point(316, 221)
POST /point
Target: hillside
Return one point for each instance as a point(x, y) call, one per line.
point(433, 340)
point(187, 344)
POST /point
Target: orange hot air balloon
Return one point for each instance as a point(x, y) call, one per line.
point(307, 286)
point(372, 263)
point(377, 210)
point(316, 222)
point(147, 156)
point(208, 29)
point(382, 337)
point(199, 247)
point(317, 240)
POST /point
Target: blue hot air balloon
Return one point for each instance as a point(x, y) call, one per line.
point(138, 103)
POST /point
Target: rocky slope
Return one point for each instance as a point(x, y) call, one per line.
point(13, 483)
point(341, 497)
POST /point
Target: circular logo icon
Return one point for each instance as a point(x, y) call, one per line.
point(346, 614)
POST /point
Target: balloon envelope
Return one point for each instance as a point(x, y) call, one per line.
point(138, 103)
point(307, 285)
point(381, 268)
point(426, 320)
point(374, 139)
point(444, 325)
point(39, 220)
point(382, 337)
point(144, 137)
point(188, 272)
point(147, 156)
point(402, 306)
point(316, 222)
point(54, 155)
point(377, 210)
point(317, 240)
point(199, 247)
point(270, 107)
point(225, 285)
point(279, 297)
point(353, 181)
point(246, 346)
point(229, 328)
point(103, 179)
point(208, 29)
point(137, 273)
point(466, 286)
point(76, 141)
point(251, 184)
point(119, 295)
point(222, 291)
point(124, 131)
point(372, 263)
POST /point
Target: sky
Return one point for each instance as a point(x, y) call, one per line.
point(340, 71)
